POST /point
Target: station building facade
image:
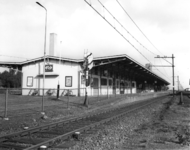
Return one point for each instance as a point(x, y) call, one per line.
point(68, 73)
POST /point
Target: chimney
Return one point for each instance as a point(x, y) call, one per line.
point(53, 44)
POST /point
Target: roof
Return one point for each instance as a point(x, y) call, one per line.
point(129, 65)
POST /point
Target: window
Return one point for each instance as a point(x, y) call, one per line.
point(83, 80)
point(95, 83)
point(29, 81)
point(105, 73)
point(111, 74)
point(110, 82)
point(104, 81)
point(96, 71)
point(68, 81)
point(117, 84)
point(133, 84)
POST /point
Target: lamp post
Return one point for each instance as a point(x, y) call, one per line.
point(44, 55)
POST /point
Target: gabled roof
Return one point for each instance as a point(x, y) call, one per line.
point(38, 59)
point(49, 57)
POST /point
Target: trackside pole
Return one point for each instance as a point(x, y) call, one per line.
point(87, 65)
point(181, 98)
point(86, 93)
point(67, 99)
point(58, 86)
point(6, 99)
point(43, 102)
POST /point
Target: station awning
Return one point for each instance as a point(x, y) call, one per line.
point(48, 75)
point(124, 66)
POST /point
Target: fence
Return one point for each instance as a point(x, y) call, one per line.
point(30, 101)
point(92, 91)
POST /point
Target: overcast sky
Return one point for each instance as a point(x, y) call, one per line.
point(79, 27)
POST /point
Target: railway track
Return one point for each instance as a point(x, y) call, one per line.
point(55, 133)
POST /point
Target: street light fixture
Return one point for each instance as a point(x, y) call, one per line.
point(44, 55)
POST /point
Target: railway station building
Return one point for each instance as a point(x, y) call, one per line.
point(119, 74)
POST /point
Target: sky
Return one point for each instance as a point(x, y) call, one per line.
point(166, 23)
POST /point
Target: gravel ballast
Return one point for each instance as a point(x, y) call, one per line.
point(137, 130)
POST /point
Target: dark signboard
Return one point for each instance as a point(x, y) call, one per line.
point(48, 68)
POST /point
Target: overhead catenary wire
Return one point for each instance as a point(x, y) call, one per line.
point(161, 73)
point(130, 35)
point(125, 28)
point(164, 69)
point(140, 30)
point(118, 30)
point(136, 24)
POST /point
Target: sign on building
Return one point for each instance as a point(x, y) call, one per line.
point(48, 68)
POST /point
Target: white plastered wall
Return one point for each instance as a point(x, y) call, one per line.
point(61, 69)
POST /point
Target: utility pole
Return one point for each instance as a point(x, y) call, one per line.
point(172, 65)
point(173, 72)
point(88, 64)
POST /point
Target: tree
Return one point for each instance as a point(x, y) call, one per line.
point(11, 79)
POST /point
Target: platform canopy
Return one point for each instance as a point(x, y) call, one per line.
point(126, 67)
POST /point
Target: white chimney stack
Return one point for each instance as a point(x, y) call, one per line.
point(53, 44)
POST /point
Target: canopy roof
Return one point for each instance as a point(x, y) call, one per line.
point(128, 67)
